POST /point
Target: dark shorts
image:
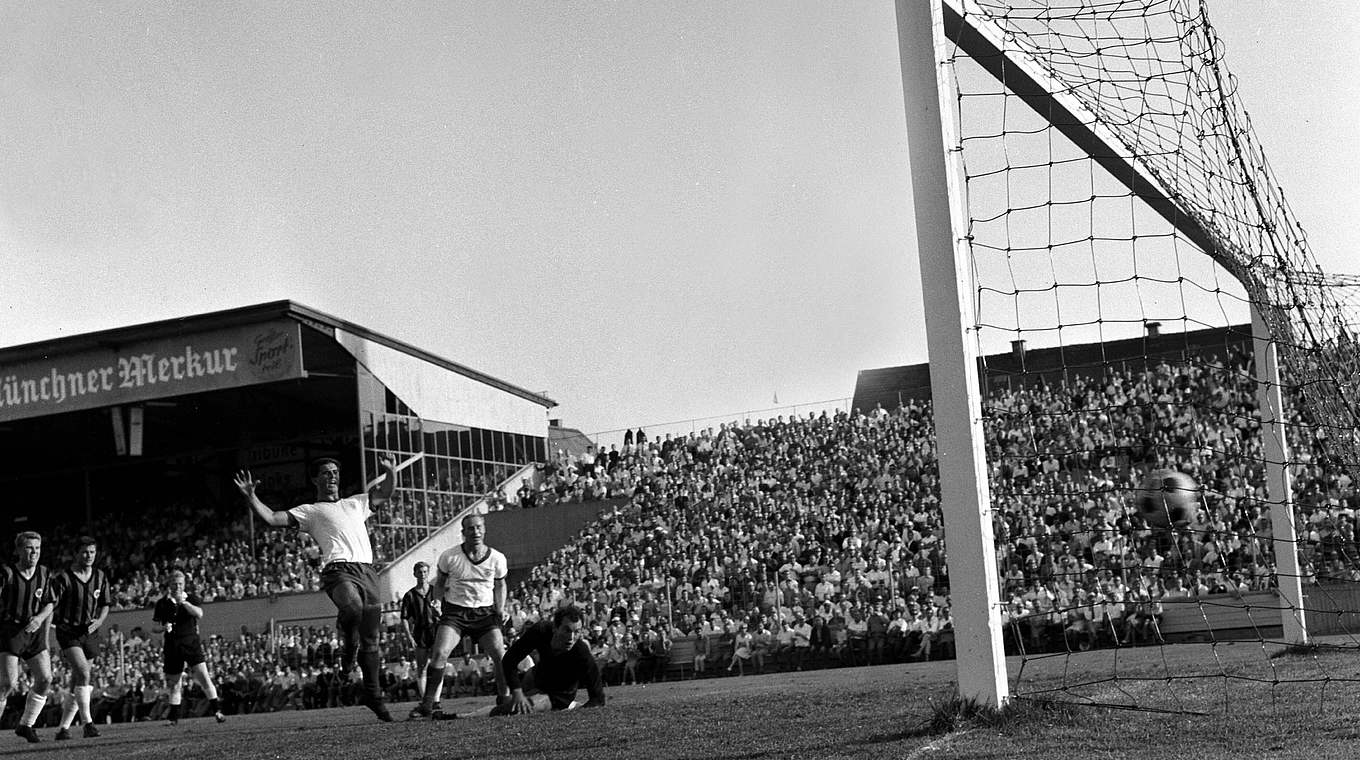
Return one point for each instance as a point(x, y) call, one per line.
point(18, 642)
point(78, 636)
point(182, 651)
point(361, 575)
point(424, 639)
point(470, 622)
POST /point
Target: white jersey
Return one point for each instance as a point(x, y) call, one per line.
point(471, 584)
point(338, 527)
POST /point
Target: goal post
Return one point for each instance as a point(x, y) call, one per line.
point(1279, 484)
point(1081, 173)
point(955, 392)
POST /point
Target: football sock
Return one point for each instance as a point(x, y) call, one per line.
point(32, 707)
point(370, 658)
point(173, 715)
point(370, 661)
point(68, 714)
point(83, 702)
point(434, 678)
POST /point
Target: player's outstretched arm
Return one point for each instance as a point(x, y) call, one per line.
point(380, 493)
point(245, 483)
point(519, 702)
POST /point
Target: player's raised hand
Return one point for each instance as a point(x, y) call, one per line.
point(246, 482)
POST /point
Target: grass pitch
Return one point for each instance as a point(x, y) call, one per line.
point(1252, 701)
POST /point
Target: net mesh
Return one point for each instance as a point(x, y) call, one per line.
point(1123, 226)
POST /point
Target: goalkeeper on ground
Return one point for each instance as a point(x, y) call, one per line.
point(563, 665)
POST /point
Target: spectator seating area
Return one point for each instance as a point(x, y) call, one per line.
point(817, 540)
point(833, 519)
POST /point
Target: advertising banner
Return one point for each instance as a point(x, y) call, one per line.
point(194, 363)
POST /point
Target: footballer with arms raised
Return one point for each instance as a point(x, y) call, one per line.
point(347, 576)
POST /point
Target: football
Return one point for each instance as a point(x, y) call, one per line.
point(1167, 498)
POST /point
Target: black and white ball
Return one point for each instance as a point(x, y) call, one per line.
point(1167, 498)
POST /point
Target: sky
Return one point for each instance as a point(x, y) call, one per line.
point(648, 211)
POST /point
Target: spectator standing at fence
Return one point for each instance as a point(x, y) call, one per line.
point(526, 495)
point(802, 640)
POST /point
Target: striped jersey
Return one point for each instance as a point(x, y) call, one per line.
point(22, 598)
point(79, 602)
point(421, 610)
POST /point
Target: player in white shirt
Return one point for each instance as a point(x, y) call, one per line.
point(339, 528)
point(471, 583)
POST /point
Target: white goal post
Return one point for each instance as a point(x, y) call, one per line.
point(930, 34)
point(965, 501)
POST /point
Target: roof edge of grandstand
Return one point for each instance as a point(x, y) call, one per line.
point(1007, 362)
point(115, 336)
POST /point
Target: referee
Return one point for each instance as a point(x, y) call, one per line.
point(178, 613)
point(82, 598)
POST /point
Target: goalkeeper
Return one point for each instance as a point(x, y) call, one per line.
point(564, 664)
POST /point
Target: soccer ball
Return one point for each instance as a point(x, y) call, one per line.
point(1167, 498)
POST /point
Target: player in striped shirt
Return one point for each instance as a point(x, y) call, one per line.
point(339, 527)
point(25, 612)
point(420, 612)
point(82, 602)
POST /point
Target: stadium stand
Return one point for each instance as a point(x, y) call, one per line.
point(832, 521)
point(816, 540)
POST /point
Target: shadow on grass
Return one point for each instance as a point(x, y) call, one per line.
point(957, 714)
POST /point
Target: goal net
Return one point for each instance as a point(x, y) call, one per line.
point(1142, 296)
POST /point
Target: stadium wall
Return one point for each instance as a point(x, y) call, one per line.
point(527, 537)
point(890, 386)
point(228, 618)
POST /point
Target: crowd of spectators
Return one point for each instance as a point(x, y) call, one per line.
point(819, 538)
point(833, 519)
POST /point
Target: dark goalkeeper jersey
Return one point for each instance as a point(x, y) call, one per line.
point(559, 675)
